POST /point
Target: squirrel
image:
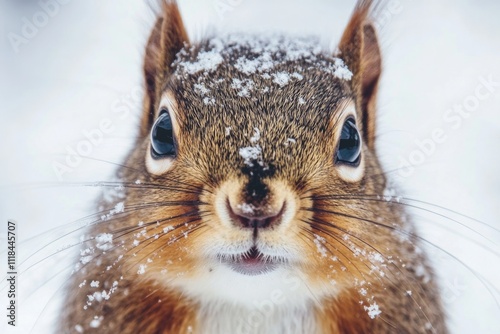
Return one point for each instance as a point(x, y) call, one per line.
point(252, 201)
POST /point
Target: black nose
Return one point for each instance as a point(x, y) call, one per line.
point(248, 216)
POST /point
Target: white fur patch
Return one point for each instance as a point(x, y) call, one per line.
point(279, 301)
point(217, 318)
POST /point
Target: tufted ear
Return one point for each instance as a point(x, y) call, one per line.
point(166, 40)
point(360, 50)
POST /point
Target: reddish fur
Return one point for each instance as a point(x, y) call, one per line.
point(152, 307)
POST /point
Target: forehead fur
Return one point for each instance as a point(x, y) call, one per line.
point(228, 88)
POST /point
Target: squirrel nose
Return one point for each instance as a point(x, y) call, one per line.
point(249, 216)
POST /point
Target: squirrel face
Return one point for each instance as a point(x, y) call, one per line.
point(252, 136)
point(255, 178)
point(260, 133)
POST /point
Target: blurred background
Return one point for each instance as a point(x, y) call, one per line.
point(68, 66)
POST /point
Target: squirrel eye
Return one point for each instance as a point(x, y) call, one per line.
point(162, 136)
point(349, 150)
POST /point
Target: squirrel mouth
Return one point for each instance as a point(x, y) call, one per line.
point(251, 263)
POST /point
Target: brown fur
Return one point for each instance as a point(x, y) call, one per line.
point(355, 223)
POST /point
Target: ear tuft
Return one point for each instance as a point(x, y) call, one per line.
point(167, 38)
point(360, 50)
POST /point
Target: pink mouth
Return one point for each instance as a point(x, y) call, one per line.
point(251, 264)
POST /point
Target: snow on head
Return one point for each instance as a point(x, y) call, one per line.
point(206, 61)
point(341, 71)
point(244, 87)
point(251, 154)
point(256, 136)
point(255, 62)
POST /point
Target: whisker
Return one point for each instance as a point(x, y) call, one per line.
point(410, 284)
point(409, 234)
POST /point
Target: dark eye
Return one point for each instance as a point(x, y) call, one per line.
point(162, 137)
point(349, 150)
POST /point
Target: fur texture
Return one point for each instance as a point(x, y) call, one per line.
point(342, 259)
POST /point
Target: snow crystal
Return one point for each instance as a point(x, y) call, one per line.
point(302, 101)
point(319, 241)
point(251, 153)
point(119, 207)
point(208, 101)
point(246, 208)
point(256, 136)
point(83, 283)
point(201, 89)
point(168, 229)
point(96, 322)
point(228, 131)
point(290, 141)
point(363, 291)
point(409, 292)
point(373, 310)
point(281, 78)
point(104, 241)
point(105, 295)
point(376, 257)
point(79, 328)
point(244, 87)
point(142, 269)
point(207, 61)
point(94, 284)
point(341, 70)
point(137, 181)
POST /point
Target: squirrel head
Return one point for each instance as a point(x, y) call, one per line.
point(258, 151)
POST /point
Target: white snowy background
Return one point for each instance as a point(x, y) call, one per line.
point(86, 61)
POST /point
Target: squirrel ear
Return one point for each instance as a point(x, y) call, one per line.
point(166, 40)
point(360, 50)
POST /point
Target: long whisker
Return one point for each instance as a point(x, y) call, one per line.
point(420, 287)
point(413, 235)
point(398, 201)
